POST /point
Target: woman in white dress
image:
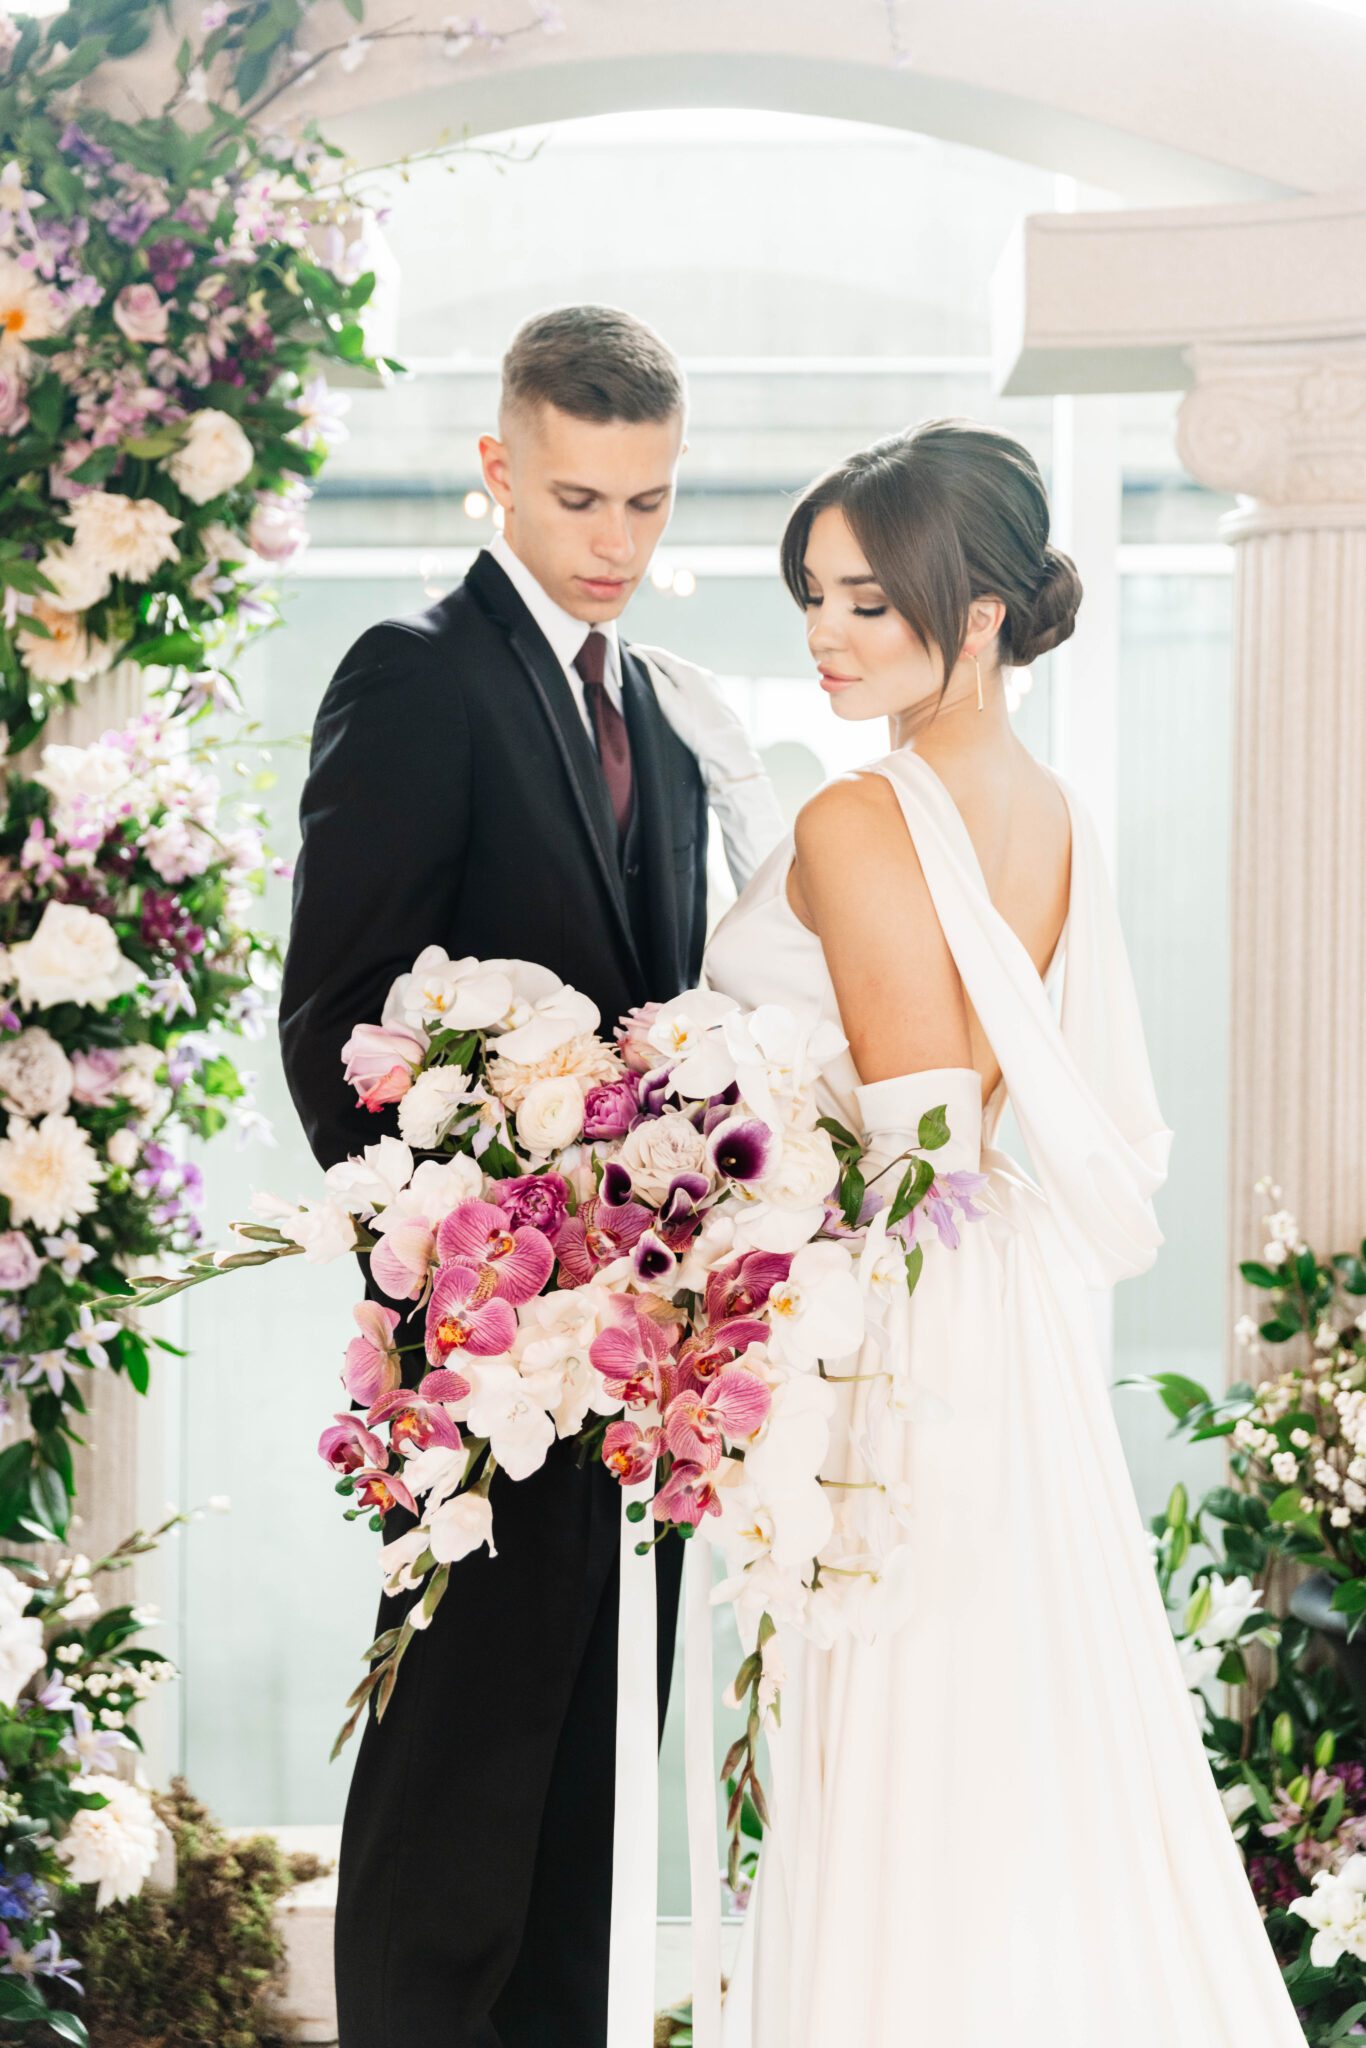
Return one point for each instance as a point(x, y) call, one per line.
point(993, 1820)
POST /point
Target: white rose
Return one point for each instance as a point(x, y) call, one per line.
point(35, 1074)
point(804, 1173)
point(73, 957)
point(66, 652)
point(655, 1153)
point(551, 1115)
point(215, 455)
point(429, 1108)
point(139, 1066)
point(48, 1172)
point(113, 1846)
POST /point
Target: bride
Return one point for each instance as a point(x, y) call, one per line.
point(992, 1817)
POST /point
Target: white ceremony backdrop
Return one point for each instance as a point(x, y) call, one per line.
point(825, 283)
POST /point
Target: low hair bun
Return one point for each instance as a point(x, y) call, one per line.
point(1052, 616)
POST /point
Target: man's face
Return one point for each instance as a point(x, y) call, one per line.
point(585, 502)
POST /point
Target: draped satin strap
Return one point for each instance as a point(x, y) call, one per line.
point(1081, 1087)
point(699, 1770)
point(635, 1815)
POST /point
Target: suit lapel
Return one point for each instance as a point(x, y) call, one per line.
point(556, 703)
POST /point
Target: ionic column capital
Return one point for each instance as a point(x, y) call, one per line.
point(1282, 424)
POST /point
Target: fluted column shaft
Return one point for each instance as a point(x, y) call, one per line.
point(1286, 429)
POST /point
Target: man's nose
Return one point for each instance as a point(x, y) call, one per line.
point(613, 541)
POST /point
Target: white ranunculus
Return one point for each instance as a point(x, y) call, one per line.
point(460, 1525)
point(551, 1115)
point(113, 1846)
point(77, 578)
point(66, 652)
point(804, 1172)
point(73, 957)
point(1336, 1908)
point(35, 1074)
point(21, 1639)
point(48, 1172)
point(502, 1409)
point(129, 537)
point(215, 455)
point(431, 1105)
point(657, 1151)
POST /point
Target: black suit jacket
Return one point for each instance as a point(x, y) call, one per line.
point(455, 798)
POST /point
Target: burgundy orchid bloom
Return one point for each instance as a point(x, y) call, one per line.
point(686, 1495)
point(740, 1148)
point(616, 1188)
point(696, 1421)
point(382, 1490)
point(632, 1355)
point(710, 1349)
point(743, 1286)
point(629, 1452)
point(515, 1264)
point(652, 1258)
point(601, 1232)
point(348, 1446)
point(461, 1316)
point(680, 1217)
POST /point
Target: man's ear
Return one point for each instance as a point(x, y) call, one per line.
point(493, 457)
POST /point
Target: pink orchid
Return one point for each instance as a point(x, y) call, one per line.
point(629, 1452)
point(372, 1366)
point(382, 1490)
point(380, 1063)
point(462, 1316)
point(479, 1236)
point(744, 1285)
point(347, 1445)
point(631, 1355)
point(686, 1495)
point(600, 1233)
point(709, 1350)
point(698, 1419)
point(420, 1418)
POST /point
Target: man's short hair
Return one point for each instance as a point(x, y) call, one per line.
point(594, 363)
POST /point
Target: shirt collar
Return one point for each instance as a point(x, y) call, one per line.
point(565, 633)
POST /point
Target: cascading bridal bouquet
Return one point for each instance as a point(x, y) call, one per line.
point(655, 1248)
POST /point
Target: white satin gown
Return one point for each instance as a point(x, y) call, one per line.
point(995, 1821)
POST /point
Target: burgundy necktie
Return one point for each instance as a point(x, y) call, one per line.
point(614, 746)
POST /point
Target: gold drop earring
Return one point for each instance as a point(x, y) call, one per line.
point(978, 666)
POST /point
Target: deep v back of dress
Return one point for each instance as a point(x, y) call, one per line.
point(992, 1813)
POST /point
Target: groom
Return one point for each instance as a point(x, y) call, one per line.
point(504, 776)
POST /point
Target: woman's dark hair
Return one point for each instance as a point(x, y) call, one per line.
point(947, 512)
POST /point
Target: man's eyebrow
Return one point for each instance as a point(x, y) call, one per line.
point(592, 491)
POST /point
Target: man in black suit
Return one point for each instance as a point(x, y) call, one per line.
point(503, 776)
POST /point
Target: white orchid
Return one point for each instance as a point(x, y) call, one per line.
point(373, 1180)
point(503, 1409)
point(777, 1056)
point(545, 1023)
point(688, 1035)
point(441, 994)
point(817, 1312)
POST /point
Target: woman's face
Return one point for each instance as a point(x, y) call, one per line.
point(872, 664)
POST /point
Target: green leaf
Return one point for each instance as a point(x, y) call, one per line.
point(1349, 1597)
point(915, 1260)
point(67, 2027)
point(21, 2001)
point(172, 650)
point(1258, 1275)
point(915, 1185)
point(1307, 1268)
point(934, 1128)
point(853, 1188)
point(98, 466)
point(356, 9)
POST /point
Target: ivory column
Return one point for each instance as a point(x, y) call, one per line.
point(1284, 426)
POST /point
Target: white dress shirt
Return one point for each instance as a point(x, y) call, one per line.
point(565, 633)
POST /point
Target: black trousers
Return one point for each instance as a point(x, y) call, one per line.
point(475, 1881)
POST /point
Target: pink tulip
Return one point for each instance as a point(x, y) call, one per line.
point(372, 1366)
point(629, 1452)
point(348, 1445)
point(515, 1263)
point(699, 1419)
point(460, 1317)
point(380, 1063)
